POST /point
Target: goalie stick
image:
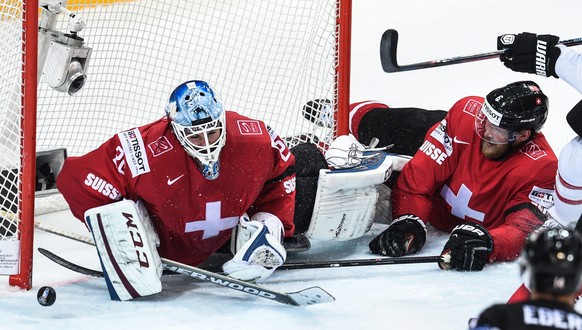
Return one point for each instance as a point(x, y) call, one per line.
point(309, 296)
point(389, 44)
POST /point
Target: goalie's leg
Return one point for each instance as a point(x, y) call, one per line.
point(126, 243)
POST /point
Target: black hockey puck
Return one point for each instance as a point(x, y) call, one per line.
point(46, 296)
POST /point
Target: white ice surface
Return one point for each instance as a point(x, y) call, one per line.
point(416, 296)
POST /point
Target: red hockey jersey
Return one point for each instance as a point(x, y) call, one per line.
point(449, 181)
point(192, 215)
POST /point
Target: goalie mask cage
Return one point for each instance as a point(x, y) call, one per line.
point(266, 59)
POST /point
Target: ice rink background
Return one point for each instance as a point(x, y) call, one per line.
point(379, 297)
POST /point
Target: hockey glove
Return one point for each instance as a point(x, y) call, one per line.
point(530, 53)
point(468, 247)
point(405, 235)
point(257, 247)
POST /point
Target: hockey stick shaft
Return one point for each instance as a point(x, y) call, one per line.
point(352, 263)
point(64, 233)
point(389, 45)
point(286, 266)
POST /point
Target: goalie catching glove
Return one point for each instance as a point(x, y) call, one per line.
point(530, 53)
point(468, 248)
point(257, 247)
point(405, 235)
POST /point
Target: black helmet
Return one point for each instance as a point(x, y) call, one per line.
point(553, 260)
point(518, 106)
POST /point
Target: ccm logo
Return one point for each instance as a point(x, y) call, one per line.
point(137, 239)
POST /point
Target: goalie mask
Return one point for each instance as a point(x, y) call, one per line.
point(198, 121)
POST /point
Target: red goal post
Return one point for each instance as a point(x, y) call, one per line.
point(18, 85)
point(266, 59)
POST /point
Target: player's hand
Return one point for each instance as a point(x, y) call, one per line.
point(530, 53)
point(468, 248)
point(405, 235)
point(260, 255)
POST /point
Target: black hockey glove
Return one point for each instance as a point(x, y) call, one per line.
point(405, 235)
point(469, 246)
point(530, 53)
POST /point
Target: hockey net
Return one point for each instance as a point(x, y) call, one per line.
point(267, 59)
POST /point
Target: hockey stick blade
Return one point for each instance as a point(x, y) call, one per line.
point(309, 296)
point(389, 45)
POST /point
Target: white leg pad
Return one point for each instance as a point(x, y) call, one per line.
point(126, 242)
point(346, 198)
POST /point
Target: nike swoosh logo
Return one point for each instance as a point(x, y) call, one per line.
point(459, 141)
point(172, 181)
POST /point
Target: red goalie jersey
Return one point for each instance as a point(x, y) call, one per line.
point(449, 181)
point(192, 215)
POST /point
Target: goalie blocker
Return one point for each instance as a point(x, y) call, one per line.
point(340, 203)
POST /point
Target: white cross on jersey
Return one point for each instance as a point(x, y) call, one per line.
point(213, 224)
point(460, 203)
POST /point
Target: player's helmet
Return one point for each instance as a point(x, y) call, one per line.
point(198, 121)
point(518, 106)
point(553, 261)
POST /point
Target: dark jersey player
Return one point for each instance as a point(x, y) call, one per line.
point(552, 265)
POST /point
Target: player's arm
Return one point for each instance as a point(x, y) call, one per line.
point(471, 246)
point(93, 186)
point(257, 241)
point(94, 179)
point(412, 194)
point(526, 211)
point(508, 238)
point(278, 194)
point(434, 162)
point(569, 67)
